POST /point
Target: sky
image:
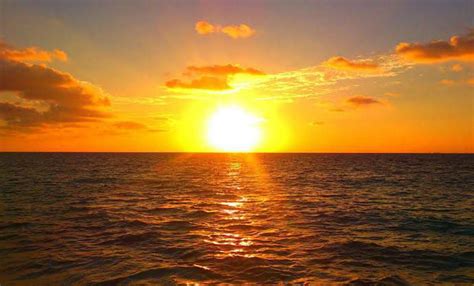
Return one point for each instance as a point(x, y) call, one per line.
point(317, 76)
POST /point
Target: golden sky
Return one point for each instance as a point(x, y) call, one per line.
point(316, 76)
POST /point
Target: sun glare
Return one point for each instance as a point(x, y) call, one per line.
point(232, 129)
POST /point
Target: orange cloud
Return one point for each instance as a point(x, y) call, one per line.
point(459, 48)
point(224, 70)
point(316, 123)
point(446, 81)
point(361, 100)
point(66, 99)
point(30, 54)
point(456, 68)
point(233, 31)
point(342, 63)
point(470, 81)
point(205, 82)
point(121, 127)
point(204, 28)
point(129, 125)
point(240, 31)
point(215, 77)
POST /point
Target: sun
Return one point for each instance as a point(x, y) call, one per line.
point(233, 129)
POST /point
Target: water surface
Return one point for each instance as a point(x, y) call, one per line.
point(104, 218)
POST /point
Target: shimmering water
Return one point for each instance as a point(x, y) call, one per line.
point(264, 218)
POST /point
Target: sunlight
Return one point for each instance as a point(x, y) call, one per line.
point(232, 129)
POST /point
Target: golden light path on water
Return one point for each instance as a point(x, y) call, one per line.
point(251, 222)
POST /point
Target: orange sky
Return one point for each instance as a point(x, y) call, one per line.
point(317, 79)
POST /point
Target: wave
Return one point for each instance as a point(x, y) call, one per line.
point(194, 273)
point(389, 255)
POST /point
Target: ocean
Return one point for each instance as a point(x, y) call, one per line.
point(179, 218)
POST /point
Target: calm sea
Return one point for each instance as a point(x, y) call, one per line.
point(105, 218)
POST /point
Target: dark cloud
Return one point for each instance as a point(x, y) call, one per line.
point(126, 127)
point(130, 125)
point(67, 99)
point(316, 123)
point(18, 115)
point(459, 48)
point(361, 100)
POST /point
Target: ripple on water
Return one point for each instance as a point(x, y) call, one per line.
point(166, 219)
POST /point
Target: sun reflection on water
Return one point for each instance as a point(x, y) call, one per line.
point(229, 231)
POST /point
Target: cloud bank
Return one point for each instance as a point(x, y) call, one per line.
point(45, 95)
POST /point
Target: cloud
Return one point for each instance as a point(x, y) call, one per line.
point(214, 77)
point(205, 82)
point(342, 63)
point(204, 28)
point(18, 115)
point(450, 82)
point(316, 123)
point(63, 98)
point(447, 82)
point(306, 82)
point(233, 31)
point(320, 80)
point(240, 31)
point(224, 70)
point(30, 54)
point(456, 68)
point(130, 125)
point(361, 100)
point(460, 48)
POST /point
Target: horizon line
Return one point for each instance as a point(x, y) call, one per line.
point(244, 153)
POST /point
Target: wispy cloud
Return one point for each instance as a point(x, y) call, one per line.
point(342, 63)
point(223, 70)
point(130, 125)
point(392, 94)
point(205, 82)
point(361, 100)
point(323, 79)
point(446, 82)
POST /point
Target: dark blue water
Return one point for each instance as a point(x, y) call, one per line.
point(233, 218)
